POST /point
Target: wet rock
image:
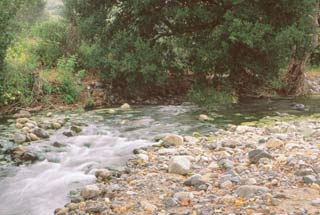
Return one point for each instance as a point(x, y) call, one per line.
point(297, 106)
point(58, 145)
point(125, 106)
point(68, 133)
point(56, 125)
point(22, 120)
point(257, 154)
point(19, 138)
point(29, 157)
point(309, 179)
point(103, 174)
point(90, 191)
point(19, 125)
point(49, 114)
point(195, 180)
point(173, 140)
point(33, 137)
point(203, 117)
point(40, 132)
point(179, 165)
point(76, 129)
point(17, 152)
point(247, 191)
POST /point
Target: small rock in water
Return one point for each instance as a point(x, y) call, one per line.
point(203, 117)
point(90, 191)
point(19, 138)
point(247, 191)
point(58, 145)
point(125, 106)
point(40, 132)
point(257, 154)
point(56, 125)
point(33, 137)
point(76, 129)
point(22, 120)
point(68, 133)
point(172, 140)
point(297, 106)
point(49, 114)
point(179, 165)
point(19, 125)
point(17, 152)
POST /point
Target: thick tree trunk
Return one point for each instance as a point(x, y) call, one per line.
point(294, 79)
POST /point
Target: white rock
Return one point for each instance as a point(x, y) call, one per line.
point(125, 106)
point(203, 117)
point(90, 191)
point(173, 139)
point(179, 165)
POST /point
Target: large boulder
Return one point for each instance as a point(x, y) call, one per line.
point(179, 165)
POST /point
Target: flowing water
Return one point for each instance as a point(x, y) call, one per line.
point(108, 140)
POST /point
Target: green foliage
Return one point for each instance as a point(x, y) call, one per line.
point(142, 42)
point(210, 97)
point(68, 82)
point(51, 37)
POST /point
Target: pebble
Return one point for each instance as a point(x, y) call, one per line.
point(195, 180)
point(247, 191)
point(309, 179)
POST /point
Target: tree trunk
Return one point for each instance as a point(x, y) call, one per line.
point(294, 78)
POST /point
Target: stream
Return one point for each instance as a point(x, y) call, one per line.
point(108, 141)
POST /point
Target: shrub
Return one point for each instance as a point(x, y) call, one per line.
point(50, 36)
point(68, 80)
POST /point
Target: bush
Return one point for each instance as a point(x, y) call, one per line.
point(210, 97)
point(51, 37)
point(68, 81)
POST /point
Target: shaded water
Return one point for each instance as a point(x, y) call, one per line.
point(108, 140)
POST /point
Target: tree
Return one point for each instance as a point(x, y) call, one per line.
point(251, 42)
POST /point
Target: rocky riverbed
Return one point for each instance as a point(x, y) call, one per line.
point(266, 167)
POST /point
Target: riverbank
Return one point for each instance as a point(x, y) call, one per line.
point(269, 167)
